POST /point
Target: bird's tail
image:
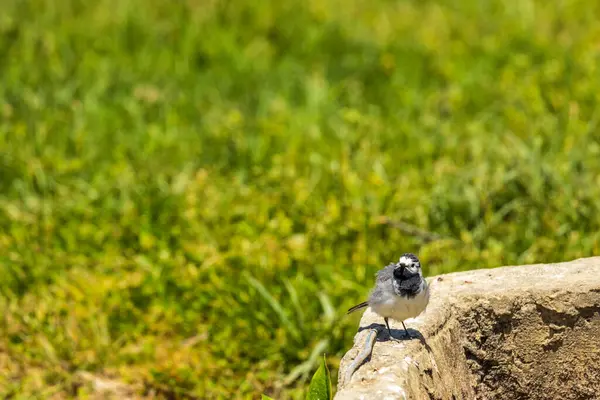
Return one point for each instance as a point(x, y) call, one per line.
point(358, 307)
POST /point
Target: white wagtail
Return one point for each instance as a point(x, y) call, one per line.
point(400, 292)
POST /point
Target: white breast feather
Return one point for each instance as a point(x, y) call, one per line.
point(402, 308)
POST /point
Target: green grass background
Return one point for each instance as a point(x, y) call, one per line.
point(191, 192)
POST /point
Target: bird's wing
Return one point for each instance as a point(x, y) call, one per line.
point(386, 273)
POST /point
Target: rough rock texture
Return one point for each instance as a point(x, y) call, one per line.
point(526, 332)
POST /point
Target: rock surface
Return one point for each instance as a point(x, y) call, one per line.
point(526, 332)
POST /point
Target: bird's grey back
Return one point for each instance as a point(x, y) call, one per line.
point(386, 273)
point(383, 284)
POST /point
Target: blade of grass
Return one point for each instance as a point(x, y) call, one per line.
point(295, 302)
point(275, 305)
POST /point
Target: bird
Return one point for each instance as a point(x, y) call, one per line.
point(400, 292)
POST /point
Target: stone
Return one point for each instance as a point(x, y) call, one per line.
point(518, 332)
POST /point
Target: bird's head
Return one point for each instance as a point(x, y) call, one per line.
point(407, 267)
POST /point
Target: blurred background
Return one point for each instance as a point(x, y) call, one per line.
point(192, 193)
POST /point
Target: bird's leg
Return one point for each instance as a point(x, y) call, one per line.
point(405, 330)
point(389, 330)
point(388, 327)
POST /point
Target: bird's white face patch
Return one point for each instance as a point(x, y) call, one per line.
point(409, 262)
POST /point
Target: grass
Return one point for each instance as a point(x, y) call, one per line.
point(192, 193)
